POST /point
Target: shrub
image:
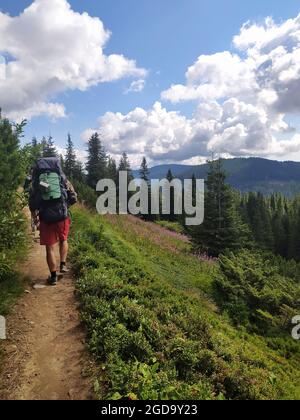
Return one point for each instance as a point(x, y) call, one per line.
point(255, 292)
point(152, 340)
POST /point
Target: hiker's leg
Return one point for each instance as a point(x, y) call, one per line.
point(64, 229)
point(51, 258)
point(63, 250)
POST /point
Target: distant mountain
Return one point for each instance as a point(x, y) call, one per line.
point(252, 174)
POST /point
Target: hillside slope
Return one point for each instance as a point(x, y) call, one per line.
point(153, 324)
point(252, 174)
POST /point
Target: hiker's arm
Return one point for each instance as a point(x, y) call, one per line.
point(34, 201)
point(72, 195)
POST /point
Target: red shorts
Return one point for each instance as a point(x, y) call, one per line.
point(52, 233)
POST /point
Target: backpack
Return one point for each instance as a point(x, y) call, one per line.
point(50, 190)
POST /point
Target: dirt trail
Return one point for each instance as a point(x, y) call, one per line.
point(45, 351)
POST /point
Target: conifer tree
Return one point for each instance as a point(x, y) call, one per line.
point(112, 172)
point(171, 217)
point(259, 216)
point(144, 171)
point(145, 176)
point(97, 161)
point(10, 168)
point(70, 159)
point(34, 142)
point(49, 149)
point(124, 165)
point(170, 176)
point(78, 173)
point(223, 228)
point(35, 152)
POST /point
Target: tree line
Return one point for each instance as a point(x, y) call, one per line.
point(234, 221)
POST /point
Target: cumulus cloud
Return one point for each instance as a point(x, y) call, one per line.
point(54, 49)
point(243, 98)
point(136, 86)
point(155, 132)
point(214, 77)
point(265, 71)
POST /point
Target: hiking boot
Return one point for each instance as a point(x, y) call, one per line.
point(63, 269)
point(52, 281)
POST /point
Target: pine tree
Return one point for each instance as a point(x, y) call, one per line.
point(49, 149)
point(70, 159)
point(145, 176)
point(223, 228)
point(124, 165)
point(78, 172)
point(97, 161)
point(170, 176)
point(44, 145)
point(35, 152)
point(34, 142)
point(10, 167)
point(171, 217)
point(112, 172)
point(144, 171)
point(259, 215)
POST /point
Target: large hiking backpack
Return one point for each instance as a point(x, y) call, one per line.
point(50, 190)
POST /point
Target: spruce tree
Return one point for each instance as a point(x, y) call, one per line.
point(10, 167)
point(223, 228)
point(145, 176)
point(124, 165)
point(97, 161)
point(170, 176)
point(171, 217)
point(44, 145)
point(34, 142)
point(144, 171)
point(78, 173)
point(49, 149)
point(112, 172)
point(259, 215)
point(70, 158)
point(35, 152)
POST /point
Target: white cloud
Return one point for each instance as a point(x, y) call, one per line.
point(243, 100)
point(2, 68)
point(155, 133)
point(214, 77)
point(136, 86)
point(54, 49)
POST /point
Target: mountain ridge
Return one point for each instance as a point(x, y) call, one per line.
point(245, 174)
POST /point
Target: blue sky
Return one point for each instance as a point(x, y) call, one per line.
point(164, 37)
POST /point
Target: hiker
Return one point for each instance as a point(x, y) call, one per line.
point(51, 195)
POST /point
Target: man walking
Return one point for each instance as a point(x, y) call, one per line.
point(50, 197)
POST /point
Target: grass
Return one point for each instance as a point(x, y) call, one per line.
point(10, 289)
point(172, 226)
point(153, 325)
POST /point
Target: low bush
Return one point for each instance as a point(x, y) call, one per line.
point(258, 291)
point(152, 340)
